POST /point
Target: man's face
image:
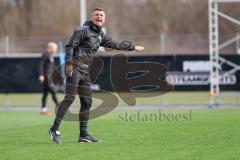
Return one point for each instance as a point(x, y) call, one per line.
point(98, 18)
point(52, 49)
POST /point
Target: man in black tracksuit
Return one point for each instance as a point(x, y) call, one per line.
point(46, 68)
point(80, 52)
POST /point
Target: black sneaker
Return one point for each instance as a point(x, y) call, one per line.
point(89, 139)
point(55, 136)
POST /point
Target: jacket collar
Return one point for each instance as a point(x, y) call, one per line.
point(93, 26)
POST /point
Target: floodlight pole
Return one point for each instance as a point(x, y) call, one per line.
point(83, 11)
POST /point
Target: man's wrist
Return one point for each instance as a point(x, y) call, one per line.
point(68, 63)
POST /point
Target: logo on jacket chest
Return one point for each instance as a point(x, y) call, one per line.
point(100, 38)
point(96, 39)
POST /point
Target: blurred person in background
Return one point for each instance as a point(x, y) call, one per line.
point(80, 52)
point(46, 68)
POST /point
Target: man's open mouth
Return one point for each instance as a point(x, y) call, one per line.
point(98, 20)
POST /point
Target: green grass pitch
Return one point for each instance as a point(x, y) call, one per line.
point(209, 135)
point(34, 99)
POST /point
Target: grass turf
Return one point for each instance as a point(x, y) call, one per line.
point(169, 98)
point(210, 135)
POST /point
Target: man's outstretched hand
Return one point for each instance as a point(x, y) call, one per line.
point(41, 78)
point(139, 48)
point(68, 70)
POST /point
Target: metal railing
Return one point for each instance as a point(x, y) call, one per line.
point(159, 44)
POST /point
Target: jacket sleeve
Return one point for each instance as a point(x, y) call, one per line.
point(108, 42)
point(41, 64)
point(72, 46)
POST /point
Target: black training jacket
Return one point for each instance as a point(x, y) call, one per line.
point(46, 64)
point(85, 42)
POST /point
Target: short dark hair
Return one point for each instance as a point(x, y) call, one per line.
point(97, 9)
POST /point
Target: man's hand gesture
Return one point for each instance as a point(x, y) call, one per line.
point(41, 78)
point(68, 70)
point(139, 48)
